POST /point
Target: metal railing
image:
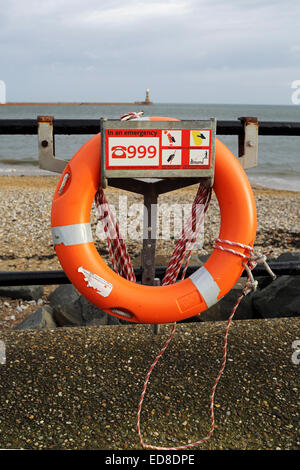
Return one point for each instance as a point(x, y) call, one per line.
point(92, 126)
point(27, 278)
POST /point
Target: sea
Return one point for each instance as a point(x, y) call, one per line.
point(278, 157)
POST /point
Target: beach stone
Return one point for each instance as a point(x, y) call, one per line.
point(92, 314)
point(281, 298)
point(68, 315)
point(263, 281)
point(203, 258)
point(72, 309)
point(222, 310)
point(63, 294)
point(22, 292)
point(66, 308)
point(289, 256)
point(97, 322)
point(40, 319)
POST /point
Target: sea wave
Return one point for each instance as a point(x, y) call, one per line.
point(10, 162)
point(276, 182)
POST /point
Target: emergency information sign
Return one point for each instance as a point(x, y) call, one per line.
point(158, 148)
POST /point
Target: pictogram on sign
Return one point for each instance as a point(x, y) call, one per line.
point(158, 148)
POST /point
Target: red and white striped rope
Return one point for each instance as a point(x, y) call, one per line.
point(131, 115)
point(252, 259)
point(188, 236)
point(117, 247)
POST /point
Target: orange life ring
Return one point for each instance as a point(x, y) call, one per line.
point(88, 272)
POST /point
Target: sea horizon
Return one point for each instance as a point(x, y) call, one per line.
point(118, 103)
point(278, 157)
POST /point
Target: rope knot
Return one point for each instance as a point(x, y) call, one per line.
point(251, 260)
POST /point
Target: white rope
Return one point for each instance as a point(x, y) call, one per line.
point(253, 258)
point(64, 182)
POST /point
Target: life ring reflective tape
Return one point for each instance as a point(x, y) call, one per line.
point(88, 272)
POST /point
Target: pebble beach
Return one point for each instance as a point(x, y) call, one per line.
point(26, 242)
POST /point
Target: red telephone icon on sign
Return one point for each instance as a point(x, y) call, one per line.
point(118, 152)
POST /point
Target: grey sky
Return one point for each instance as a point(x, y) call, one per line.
point(201, 51)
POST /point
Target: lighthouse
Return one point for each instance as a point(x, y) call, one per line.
point(147, 99)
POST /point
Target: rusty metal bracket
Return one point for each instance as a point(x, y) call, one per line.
point(46, 146)
point(248, 142)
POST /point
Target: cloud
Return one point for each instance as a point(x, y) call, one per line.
point(128, 15)
point(67, 49)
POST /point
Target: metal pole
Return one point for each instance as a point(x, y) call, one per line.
point(149, 235)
